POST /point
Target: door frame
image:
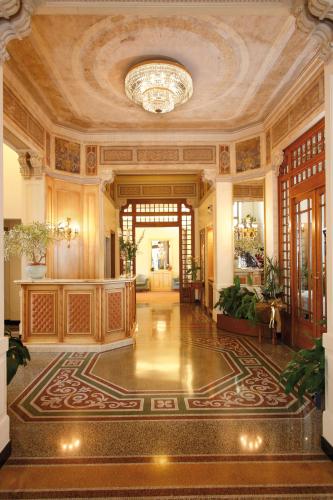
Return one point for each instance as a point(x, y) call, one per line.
point(186, 292)
point(308, 189)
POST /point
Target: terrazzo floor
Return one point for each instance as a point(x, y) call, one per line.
point(188, 412)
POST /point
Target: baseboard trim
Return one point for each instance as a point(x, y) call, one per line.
point(5, 453)
point(326, 447)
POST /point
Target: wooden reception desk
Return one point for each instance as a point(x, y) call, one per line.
point(80, 315)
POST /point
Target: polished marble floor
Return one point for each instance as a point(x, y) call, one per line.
point(185, 402)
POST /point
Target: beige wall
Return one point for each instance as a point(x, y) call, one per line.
point(206, 219)
point(13, 185)
point(13, 209)
point(143, 258)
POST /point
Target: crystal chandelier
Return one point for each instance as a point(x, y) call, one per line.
point(246, 235)
point(158, 86)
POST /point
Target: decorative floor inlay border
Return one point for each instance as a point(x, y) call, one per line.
point(69, 390)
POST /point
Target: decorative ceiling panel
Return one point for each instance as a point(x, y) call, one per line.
point(240, 64)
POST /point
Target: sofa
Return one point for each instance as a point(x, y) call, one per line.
point(175, 283)
point(142, 283)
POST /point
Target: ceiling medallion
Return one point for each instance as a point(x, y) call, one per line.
point(158, 86)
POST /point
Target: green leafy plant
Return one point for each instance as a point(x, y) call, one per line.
point(30, 240)
point(238, 302)
point(272, 288)
point(17, 355)
point(305, 373)
point(193, 269)
point(128, 247)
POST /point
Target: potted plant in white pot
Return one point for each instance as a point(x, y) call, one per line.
point(30, 240)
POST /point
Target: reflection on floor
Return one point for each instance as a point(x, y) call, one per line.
point(188, 412)
point(157, 297)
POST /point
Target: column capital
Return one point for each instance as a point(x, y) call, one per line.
point(277, 159)
point(16, 23)
point(106, 176)
point(322, 9)
point(314, 17)
point(31, 164)
point(209, 175)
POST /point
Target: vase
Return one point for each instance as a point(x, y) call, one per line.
point(36, 272)
point(128, 268)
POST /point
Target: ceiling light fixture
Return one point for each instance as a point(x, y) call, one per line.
point(158, 86)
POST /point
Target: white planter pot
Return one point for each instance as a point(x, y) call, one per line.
point(36, 272)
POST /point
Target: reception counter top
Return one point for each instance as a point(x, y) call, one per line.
point(77, 314)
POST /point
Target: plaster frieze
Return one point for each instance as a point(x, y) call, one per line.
point(16, 26)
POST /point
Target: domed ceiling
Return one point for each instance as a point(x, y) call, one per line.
point(74, 66)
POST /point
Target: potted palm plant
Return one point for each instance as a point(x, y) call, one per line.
point(30, 240)
point(17, 355)
point(305, 373)
point(238, 309)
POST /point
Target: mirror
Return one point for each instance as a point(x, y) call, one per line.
point(160, 255)
point(248, 220)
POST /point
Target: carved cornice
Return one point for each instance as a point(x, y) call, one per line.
point(318, 27)
point(17, 25)
point(322, 9)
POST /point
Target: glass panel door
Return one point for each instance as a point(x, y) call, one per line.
point(309, 264)
point(321, 261)
point(304, 265)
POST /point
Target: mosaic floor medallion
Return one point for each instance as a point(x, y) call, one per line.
point(72, 387)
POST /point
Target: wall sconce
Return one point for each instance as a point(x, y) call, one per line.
point(67, 232)
point(210, 209)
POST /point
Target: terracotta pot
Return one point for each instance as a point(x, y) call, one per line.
point(264, 312)
point(234, 325)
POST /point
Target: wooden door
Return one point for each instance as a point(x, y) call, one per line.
point(308, 265)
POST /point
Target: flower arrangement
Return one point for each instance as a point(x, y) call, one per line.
point(30, 240)
point(128, 249)
point(193, 269)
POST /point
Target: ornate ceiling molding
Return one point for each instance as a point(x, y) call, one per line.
point(319, 27)
point(16, 25)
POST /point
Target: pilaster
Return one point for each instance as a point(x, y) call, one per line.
point(328, 337)
point(224, 237)
point(271, 214)
point(4, 420)
point(34, 186)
